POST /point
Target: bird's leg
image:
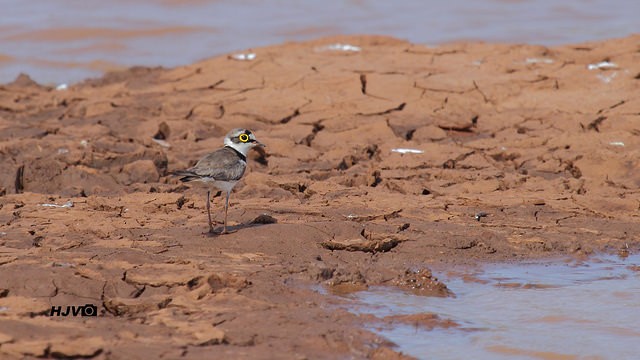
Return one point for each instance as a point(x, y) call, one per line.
point(226, 210)
point(209, 210)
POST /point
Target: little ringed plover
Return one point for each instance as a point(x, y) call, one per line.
point(223, 168)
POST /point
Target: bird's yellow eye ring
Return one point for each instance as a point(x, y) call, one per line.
point(243, 137)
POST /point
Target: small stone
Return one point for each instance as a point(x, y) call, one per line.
point(264, 219)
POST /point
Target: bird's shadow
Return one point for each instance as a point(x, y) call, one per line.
point(260, 220)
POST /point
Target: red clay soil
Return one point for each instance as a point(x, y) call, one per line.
point(525, 152)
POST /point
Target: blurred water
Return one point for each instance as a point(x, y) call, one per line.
point(59, 41)
point(588, 310)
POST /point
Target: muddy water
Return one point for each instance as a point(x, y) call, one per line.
point(65, 41)
point(574, 310)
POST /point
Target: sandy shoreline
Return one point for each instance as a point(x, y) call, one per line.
point(544, 141)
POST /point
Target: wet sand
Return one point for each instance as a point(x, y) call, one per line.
point(525, 152)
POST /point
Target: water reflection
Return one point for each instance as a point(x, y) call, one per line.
point(523, 311)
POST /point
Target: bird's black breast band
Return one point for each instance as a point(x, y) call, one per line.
point(241, 155)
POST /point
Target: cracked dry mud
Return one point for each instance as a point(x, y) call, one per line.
point(527, 154)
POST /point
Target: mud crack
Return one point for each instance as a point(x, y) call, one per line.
point(385, 112)
point(317, 127)
point(288, 118)
point(19, 182)
point(363, 84)
point(595, 124)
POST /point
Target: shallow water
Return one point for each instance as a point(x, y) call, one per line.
point(64, 41)
point(573, 310)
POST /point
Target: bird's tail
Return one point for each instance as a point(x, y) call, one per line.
point(186, 175)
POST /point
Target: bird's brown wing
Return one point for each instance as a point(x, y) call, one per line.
point(223, 165)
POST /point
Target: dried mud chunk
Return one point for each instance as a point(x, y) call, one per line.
point(190, 332)
point(21, 306)
point(100, 204)
point(136, 75)
point(294, 188)
point(157, 275)
point(429, 133)
point(347, 162)
point(40, 170)
point(505, 156)
point(405, 127)
point(77, 348)
point(345, 282)
point(163, 132)
point(5, 338)
point(122, 306)
point(23, 349)
point(372, 151)
point(466, 243)
point(364, 245)
point(206, 334)
point(369, 152)
point(363, 218)
point(422, 282)
point(6, 259)
point(141, 171)
point(93, 108)
point(458, 122)
point(37, 241)
point(346, 288)
point(449, 164)
point(324, 273)
point(241, 337)
point(374, 178)
point(110, 153)
point(24, 81)
point(227, 281)
point(368, 242)
point(398, 186)
point(205, 111)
